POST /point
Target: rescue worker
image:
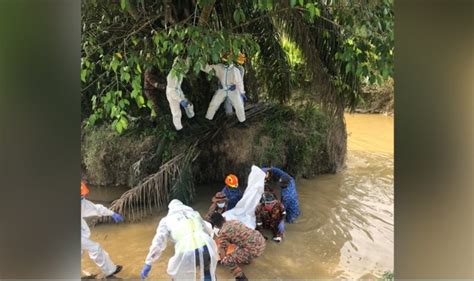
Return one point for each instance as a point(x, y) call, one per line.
point(227, 104)
point(96, 253)
point(232, 88)
point(151, 85)
point(219, 205)
point(249, 244)
point(193, 244)
point(289, 196)
point(232, 190)
point(175, 95)
point(270, 214)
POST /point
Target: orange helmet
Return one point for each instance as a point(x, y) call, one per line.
point(84, 189)
point(232, 181)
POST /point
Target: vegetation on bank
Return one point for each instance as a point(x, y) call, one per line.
point(377, 98)
point(293, 138)
point(307, 63)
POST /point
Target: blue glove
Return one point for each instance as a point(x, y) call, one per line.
point(244, 97)
point(281, 227)
point(184, 103)
point(146, 269)
point(117, 217)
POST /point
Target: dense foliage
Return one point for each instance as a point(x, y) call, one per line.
point(352, 40)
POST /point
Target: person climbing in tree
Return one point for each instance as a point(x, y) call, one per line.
point(232, 190)
point(150, 86)
point(289, 196)
point(96, 253)
point(249, 244)
point(175, 95)
point(270, 214)
point(232, 88)
point(219, 205)
point(227, 103)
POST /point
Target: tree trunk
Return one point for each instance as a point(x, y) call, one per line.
point(206, 13)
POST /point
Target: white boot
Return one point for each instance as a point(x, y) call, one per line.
point(189, 110)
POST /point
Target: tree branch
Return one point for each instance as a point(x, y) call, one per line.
point(206, 13)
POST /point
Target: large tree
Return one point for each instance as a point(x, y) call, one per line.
point(340, 45)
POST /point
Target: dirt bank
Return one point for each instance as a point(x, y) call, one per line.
point(295, 139)
point(377, 99)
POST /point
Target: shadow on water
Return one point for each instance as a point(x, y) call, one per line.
point(345, 230)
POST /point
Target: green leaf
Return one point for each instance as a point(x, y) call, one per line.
point(123, 120)
point(317, 11)
point(83, 75)
point(123, 4)
point(236, 16)
point(140, 101)
point(119, 127)
point(149, 104)
point(293, 3)
point(301, 3)
point(310, 8)
point(92, 119)
point(114, 64)
point(348, 67)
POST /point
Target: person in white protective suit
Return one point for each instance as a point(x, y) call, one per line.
point(96, 253)
point(175, 95)
point(227, 104)
point(193, 245)
point(232, 88)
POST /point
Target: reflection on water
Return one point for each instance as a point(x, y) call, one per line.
point(345, 230)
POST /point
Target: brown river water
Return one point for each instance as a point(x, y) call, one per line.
point(345, 229)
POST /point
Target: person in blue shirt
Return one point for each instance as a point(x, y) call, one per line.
point(232, 190)
point(289, 196)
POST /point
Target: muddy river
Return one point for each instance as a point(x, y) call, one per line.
point(345, 230)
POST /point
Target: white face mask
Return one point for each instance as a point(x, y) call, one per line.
point(220, 205)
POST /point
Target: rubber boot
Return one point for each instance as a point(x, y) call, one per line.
point(189, 110)
point(117, 270)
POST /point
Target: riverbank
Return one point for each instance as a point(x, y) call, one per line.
point(295, 139)
point(377, 99)
point(345, 230)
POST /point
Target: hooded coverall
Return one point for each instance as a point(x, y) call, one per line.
point(227, 103)
point(232, 88)
point(193, 243)
point(96, 253)
point(175, 96)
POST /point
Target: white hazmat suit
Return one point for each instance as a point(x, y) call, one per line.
point(190, 234)
point(96, 253)
point(227, 103)
point(232, 88)
point(175, 96)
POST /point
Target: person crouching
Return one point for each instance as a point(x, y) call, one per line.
point(219, 205)
point(270, 214)
point(249, 244)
